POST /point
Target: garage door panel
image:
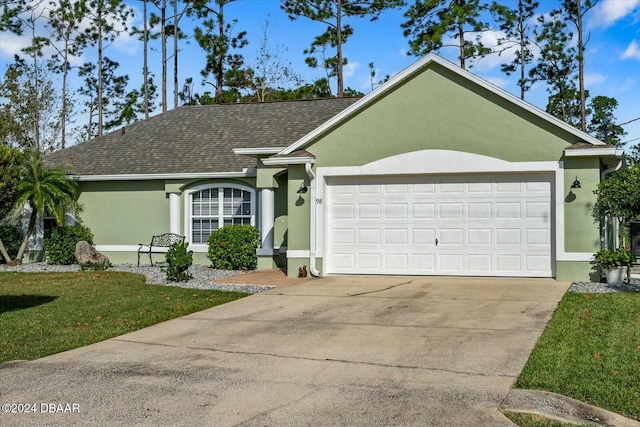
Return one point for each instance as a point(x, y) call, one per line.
point(396, 261)
point(424, 188)
point(537, 263)
point(538, 236)
point(423, 236)
point(498, 224)
point(508, 210)
point(368, 236)
point(450, 236)
point(450, 210)
point(396, 211)
point(343, 261)
point(506, 263)
point(480, 236)
point(396, 236)
point(370, 261)
point(508, 236)
point(480, 263)
point(423, 263)
point(369, 211)
point(479, 210)
point(343, 236)
point(423, 210)
point(450, 263)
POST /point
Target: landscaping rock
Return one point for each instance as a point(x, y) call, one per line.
point(88, 256)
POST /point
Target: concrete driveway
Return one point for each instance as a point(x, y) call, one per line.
point(337, 351)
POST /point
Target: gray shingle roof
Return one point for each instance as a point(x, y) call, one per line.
point(198, 139)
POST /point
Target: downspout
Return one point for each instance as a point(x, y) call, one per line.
point(603, 174)
point(312, 221)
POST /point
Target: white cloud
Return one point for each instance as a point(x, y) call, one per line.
point(498, 81)
point(632, 52)
point(594, 78)
point(12, 44)
point(349, 70)
point(609, 12)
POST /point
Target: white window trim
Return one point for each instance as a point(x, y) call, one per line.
point(188, 224)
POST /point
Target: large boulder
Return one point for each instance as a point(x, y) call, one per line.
point(87, 256)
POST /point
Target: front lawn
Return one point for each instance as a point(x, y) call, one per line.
point(591, 351)
point(46, 313)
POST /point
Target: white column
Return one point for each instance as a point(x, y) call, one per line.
point(174, 213)
point(267, 220)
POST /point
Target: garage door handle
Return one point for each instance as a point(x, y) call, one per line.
point(436, 242)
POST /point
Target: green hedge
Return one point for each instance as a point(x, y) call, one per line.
point(233, 247)
point(11, 238)
point(60, 247)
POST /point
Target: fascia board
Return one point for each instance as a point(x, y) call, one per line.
point(283, 161)
point(593, 152)
point(417, 67)
point(257, 151)
point(247, 172)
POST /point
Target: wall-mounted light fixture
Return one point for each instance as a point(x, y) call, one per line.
point(576, 184)
point(303, 189)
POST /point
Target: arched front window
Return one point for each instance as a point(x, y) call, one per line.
point(214, 207)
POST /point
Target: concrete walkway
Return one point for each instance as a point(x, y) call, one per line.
point(337, 351)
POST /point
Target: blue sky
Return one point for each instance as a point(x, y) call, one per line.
point(612, 57)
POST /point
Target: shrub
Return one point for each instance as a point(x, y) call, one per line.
point(179, 260)
point(11, 238)
point(60, 247)
point(233, 247)
point(608, 259)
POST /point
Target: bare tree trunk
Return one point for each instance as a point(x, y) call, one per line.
point(339, 48)
point(100, 11)
point(522, 48)
point(583, 108)
point(25, 240)
point(463, 58)
point(219, 73)
point(36, 83)
point(175, 54)
point(163, 32)
point(63, 113)
point(4, 253)
point(145, 66)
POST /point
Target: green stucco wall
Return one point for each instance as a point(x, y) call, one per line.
point(577, 271)
point(124, 212)
point(297, 217)
point(581, 233)
point(440, 110)
point(298, 209)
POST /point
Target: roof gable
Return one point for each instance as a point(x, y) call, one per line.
point(419, 67)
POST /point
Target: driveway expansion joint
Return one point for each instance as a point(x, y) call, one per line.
point(382, 290)
point(316, 359)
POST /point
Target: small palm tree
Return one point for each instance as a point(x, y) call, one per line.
point(43, 190)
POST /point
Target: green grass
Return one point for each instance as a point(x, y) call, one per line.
point(591, 351)
point(533, 420)
point(46, 313)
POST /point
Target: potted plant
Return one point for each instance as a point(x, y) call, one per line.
point(614, 264)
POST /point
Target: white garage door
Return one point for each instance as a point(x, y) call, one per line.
point(475, 224)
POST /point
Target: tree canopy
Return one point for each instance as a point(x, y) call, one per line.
point(618, 196)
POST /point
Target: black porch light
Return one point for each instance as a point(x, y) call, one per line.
point(576, 184)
